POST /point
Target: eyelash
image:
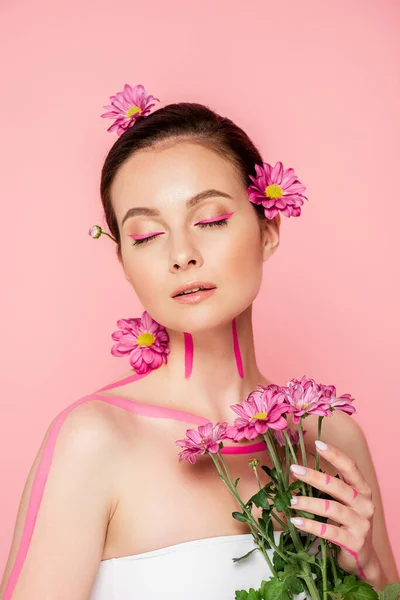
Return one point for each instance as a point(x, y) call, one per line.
point(219, 223)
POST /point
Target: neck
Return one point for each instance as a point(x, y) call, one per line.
point(215, 381)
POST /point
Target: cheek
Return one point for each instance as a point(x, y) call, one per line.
point(244, 255)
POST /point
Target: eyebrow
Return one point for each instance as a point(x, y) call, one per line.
point(193, 201)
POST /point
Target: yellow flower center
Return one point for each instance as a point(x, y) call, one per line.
point(260, 415)
point(145, 339)
point(304, 406)
point(132, 111)
point(274, 191)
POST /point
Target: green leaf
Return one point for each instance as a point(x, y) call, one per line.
point(266, 513)
point(300, 556)
point(294, 486)
point(282, 501)
point(242, 595)
point(275, 589)
point(278, 562)
point(240, 517)
point(390, 592)
point(244, 556)
point(305, 514)
point(261, 500)
point(272, 473)
point(354, 589)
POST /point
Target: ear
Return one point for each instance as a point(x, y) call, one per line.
point(121, 262)
point(270, 235)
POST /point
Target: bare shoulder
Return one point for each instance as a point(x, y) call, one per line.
point(340, 430)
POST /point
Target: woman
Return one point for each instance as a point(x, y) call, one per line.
point(108, 512)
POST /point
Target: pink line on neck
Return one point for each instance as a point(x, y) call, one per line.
point(236, 349)
point(188, 354)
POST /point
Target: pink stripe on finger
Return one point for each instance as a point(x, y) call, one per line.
point(355, 493)
point(327, 479)
point(323, 529)
point(327, 505)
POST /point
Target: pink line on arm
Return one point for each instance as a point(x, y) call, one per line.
point(35, 499)
point(236, 349)
point(355, 556)
point(188, 354)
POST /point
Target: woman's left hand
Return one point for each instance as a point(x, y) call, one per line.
point(353, 511)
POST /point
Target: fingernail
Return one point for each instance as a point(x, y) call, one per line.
point(321, 445)
point(297, 521)
point(298, 469)
point(293, 500)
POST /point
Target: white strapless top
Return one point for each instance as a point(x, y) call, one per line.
point(196, 570)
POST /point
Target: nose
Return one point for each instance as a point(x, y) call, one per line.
point(183, 256)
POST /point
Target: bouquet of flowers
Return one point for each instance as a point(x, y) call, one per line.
point(304, 561)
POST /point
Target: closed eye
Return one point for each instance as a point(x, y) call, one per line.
point(223, 220)
point(143, 239)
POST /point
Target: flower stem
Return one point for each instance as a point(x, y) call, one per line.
point(333, 565)
point(303, 451)
point(291, 449)
point(274, 457)
point(258, 479)
point(253, 525)
point(324, 575)
point(110, 236)
point(318, 437)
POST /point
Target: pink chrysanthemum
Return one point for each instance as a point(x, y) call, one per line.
point(262, 410)
point(127, 106)
point(306, 397)
point(343, 402)
point(205, 439)
point(277, 189)
point(145, 340)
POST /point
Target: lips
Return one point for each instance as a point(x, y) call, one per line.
point(193, 285)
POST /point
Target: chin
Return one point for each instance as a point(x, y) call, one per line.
point(209, 314)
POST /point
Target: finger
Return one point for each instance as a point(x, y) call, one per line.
point(325, 483)
point(335, 511)
point(347, 466)
point(336, 534)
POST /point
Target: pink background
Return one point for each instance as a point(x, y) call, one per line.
point(316, 84)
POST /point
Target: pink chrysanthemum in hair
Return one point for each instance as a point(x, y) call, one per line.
point(343, 402)
point(262, 410)
point(277, 189)
point(205, 439)
point(127, 106)
point(145, 340)
point(306, 397)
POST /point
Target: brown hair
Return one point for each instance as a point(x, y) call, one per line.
point(176, 122)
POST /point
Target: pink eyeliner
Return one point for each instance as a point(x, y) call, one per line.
point(216, 220)
point(140, 237)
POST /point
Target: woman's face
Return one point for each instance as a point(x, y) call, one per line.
point(170, 239)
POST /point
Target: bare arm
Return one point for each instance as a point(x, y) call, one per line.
point(59, 533)
point(345, 433)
